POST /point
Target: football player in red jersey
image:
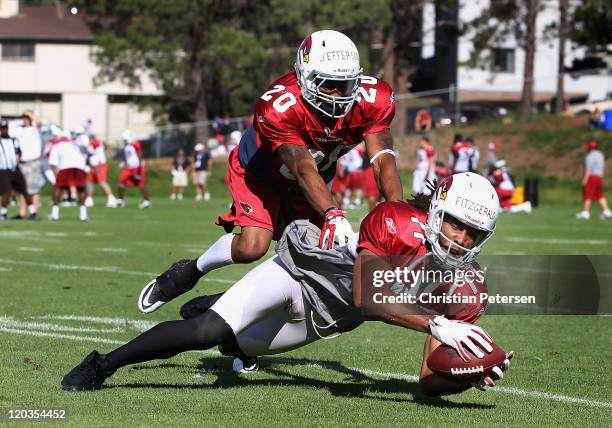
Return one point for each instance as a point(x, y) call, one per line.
point(306, 293)
point(284, 165)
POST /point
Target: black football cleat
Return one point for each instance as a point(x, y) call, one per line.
point(198, 305)
point(181, 277)
point(245, 365)
point(89, 375)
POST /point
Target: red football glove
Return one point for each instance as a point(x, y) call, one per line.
point(335, 227)
point(498, 374)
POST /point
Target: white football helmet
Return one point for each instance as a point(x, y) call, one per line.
point(470, 199)
point(328, 59)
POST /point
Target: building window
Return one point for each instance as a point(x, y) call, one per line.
point(18, 51)
point(503, 60)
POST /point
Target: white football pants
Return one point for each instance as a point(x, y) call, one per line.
point(267, 312)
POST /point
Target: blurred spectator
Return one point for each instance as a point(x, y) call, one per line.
point(134, 173)
point(596, 119)
point(464, 154)
point(425, 167)
point(30, 143)
point(352, 163)
point(370, 187)
point(216, 149)
point(233, 140)
point(69, 166)
point(422, 121)
point(474, 155)
point(11, 178)
point(457, 140)
point(592, 182)
point(504, 186)
point(491, 159)
point(98, 173)
point(202, 168)
point(180, 168)
point(225, 128)
point(441, 170)
point(339, 185)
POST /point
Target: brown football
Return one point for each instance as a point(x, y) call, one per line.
point(446, 362)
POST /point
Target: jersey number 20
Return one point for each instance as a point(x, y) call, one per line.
point(282, 103)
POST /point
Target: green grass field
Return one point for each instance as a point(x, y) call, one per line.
point(68, 287)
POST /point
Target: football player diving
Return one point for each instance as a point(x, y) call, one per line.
point(284, 165)
point(305, 293)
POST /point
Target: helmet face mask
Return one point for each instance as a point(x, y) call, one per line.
point(451, 254)
point(328, 63)
point(466, 199)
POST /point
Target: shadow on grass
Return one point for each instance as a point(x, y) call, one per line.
point(355, 384)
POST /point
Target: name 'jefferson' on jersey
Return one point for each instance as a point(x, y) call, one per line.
point(282, 117)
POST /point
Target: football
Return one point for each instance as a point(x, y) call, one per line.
point(446, 362)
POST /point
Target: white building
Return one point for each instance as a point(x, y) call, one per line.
point(504, 76)
point(46, 66)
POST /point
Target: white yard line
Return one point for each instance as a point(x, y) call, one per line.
point(9, 322)
point(367, 372)
point(108, 269)
point(141, 325)
point(31, 249)
point(62, 336)
point(112, 250)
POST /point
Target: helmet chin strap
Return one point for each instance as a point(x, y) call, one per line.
point(444, 256)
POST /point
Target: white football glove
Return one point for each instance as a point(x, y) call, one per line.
point(335, 228)
point(498, 374)
point(458, 334)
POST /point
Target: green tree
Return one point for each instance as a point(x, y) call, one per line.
point(592, 24)
point(185, 46)
point(507, 19)
point(212, 56)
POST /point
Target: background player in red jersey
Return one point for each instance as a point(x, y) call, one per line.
point(305, 293)
point(134, 173)
point(283, 167)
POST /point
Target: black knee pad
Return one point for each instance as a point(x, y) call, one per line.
point(198, 305)
point(210, 329)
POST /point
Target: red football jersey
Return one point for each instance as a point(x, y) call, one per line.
point(283, 117)
point(397, 229)
point(394, 229)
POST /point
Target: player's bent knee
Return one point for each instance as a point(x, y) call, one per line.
point(210, 329)
point(250, 250)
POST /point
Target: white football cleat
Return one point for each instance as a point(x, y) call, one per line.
point(145, 204)
point(583, 215)
point(120, 203)
point(606, 215)
point(89, 202)
point(240, 366)
point(111, 202)
point(206, 196)
point(149, 299)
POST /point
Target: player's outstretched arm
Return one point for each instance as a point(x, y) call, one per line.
point(380, 151)
point(460, 336)
point(303, 167)
point(413, 322)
